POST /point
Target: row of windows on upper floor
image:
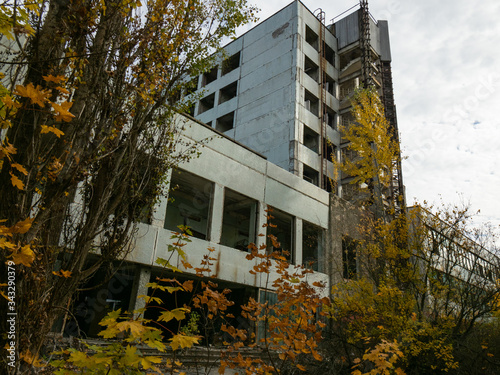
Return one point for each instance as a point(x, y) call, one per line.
point(326, 51)
point(191, 204)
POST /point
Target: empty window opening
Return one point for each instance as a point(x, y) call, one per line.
point(329, 151)
point(348, 88)
point(311, 245)
point(283, 233)
point(206, 103)
point(191, 87)
point(209, 76)
point(225, 123)
point(231, 63)
point(349, 257)
point(328, 54)
point(311, 139)
point(189, 203)
point(311, 69)
point(190, 110)
point(312, 38)
point(330, 118)
point(328, 183)
point(209, 123)
point(310, 175)
point(238, 221)
point(329, 84)
point(228, 92)
point(347, 58)
point(311, 103)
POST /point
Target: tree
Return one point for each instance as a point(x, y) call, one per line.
point(88, 133)
point(372, 150)
point(427, 285)
point(425, 308)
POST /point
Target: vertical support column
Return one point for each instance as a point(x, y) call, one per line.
point(297, 241)
point(261, 220)
point(160, 208)
point(142, 277)
point(217, 208)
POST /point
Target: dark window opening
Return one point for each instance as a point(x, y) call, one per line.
point(238, 221)
point(311, 245)
point(346, 58)
point(206, 103)
point(329, 54)
point(312, 38)
point(349, 257)
point(209, 123)
point(225, 123)
point(228, 92)
point(328, 183)
point(347, 89)
point(311, 103)
point(329, 151)
point(192, 86)
point(190, 110)
point(282, 229)
point(231, 63)
point(174, 96)
point(310, 175)
point(209, 76)
point(311, 69)
point(311, 139)
point(330, 118)
point(329, 84)
point(189, 203)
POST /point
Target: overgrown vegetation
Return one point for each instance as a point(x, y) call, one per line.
point(88, 93)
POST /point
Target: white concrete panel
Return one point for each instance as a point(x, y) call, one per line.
point(310, 52)
point(270, 25)
point(311, 85)
point(308, 118)
point(264, 85)
point(295, 203)
point(220, 169)
point(309, 157)
point(144, 244)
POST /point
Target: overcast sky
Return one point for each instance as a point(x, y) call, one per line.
point(446, 75)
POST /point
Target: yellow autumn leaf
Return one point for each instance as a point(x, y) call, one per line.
point(135, 327)
point(183, 341)
point(16, 181)
point(56, 79)
point(20, 168)
point(147, 362)
point(22, 227)
point(5, 244)
point(35, 94)
point(51, 129)
point(30, 358)
point(24, 256)
point(63, 113)
point(65, 274)
point(178, 314)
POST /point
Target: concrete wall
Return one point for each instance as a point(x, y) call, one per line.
point(230, 165)
point(269, 110)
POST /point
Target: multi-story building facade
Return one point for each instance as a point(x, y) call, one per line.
point(278, 97)
point(285, 86)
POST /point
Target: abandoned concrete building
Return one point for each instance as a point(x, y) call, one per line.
point(272, 110)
